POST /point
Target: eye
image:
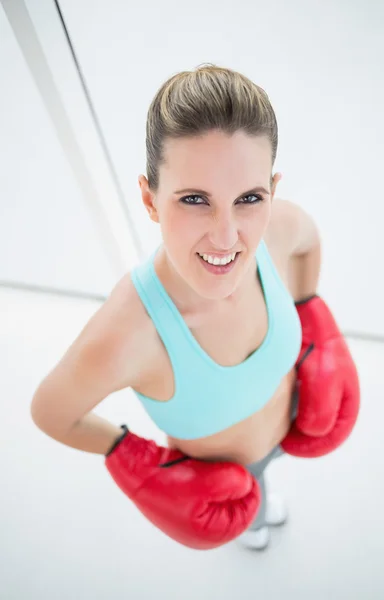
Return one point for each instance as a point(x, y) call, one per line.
point(248, 199)
point(192, 199)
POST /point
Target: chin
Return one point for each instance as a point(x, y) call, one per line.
point(219, 286)
point(216, 290)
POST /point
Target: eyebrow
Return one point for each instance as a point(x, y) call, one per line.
point(257, 189)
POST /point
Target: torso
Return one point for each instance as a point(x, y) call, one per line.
point(253, 438)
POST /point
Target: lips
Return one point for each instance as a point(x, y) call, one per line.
point(218, 269)
point(214, 259)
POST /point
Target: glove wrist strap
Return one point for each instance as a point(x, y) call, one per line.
point(305, 300)
point(119, 439)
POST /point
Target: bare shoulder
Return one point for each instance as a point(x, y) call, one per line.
point(122, 331)
point(109, 350)
point(291, 230)
point(107, 355)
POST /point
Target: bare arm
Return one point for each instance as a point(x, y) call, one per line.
point(91, 434)
point(294, 237)
point(99, 362)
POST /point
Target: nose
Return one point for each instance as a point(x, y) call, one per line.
point(223, 232)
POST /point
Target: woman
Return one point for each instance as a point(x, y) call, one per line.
point(206, 331)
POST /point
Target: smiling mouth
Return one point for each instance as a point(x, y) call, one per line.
point(216, 265)
point(218, 261)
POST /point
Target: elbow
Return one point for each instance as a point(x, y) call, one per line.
point(37, 413)
point(44, 416)
point(49, 417)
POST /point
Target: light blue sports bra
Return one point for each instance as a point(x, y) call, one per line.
point(209, 397)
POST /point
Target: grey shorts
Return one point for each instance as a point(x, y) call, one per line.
point(257, 469)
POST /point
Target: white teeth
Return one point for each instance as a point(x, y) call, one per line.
point(214, 260)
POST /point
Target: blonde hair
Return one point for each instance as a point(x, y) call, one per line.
point(192, 103)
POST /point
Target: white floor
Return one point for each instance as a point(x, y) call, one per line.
point(67, 533)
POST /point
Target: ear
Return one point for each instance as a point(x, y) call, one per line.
point(276, 178)
point(148, 198)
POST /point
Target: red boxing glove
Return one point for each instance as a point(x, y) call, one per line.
point(328, 385)
point(199, 504)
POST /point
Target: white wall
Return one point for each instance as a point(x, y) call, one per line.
point(61, 223)
point(46, 234)
point(321, 64)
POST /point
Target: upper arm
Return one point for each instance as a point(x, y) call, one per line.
point(101, 360)
point(291, 230)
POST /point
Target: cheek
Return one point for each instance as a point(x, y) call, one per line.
point(255, 223)
point(179, 227)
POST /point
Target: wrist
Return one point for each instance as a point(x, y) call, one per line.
point(122, 433)
point(306, 299)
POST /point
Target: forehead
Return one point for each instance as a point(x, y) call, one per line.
point(216, 155)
